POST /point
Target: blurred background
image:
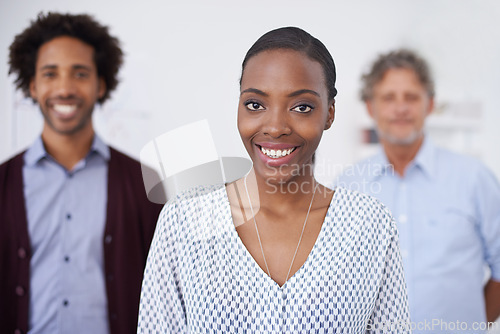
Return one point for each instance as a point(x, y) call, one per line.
point(183, 62)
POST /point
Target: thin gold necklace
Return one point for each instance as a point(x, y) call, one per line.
point(258, 235)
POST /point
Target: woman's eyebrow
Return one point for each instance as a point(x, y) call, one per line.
point(254, 90)
point(303, 91)
point(293, 94)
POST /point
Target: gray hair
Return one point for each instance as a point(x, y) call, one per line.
point(397, 59)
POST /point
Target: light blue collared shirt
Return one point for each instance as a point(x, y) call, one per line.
point(66, 213)
point(447, 208)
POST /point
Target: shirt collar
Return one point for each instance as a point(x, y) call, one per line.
point(37, 152)
point(379, 165)
point(424, 160)
point(100, 147)
point(425, 157)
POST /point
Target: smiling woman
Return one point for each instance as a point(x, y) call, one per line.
point(277, 252)
point(284, 106)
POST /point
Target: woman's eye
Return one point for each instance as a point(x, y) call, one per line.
point(254, 106)
point(303, 108)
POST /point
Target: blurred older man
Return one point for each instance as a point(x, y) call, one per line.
point(447, 206)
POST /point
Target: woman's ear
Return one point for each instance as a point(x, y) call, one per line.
point(331, 115)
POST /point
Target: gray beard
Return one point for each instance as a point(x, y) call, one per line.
point(410, 139)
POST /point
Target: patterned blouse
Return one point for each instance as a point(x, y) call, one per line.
point(200, 278)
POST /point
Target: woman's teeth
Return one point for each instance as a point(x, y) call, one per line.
point(274, 154)
point(65, 109)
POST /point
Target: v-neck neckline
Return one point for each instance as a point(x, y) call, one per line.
point(255, 266)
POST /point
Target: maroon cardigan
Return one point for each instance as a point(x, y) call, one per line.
point(130, 224)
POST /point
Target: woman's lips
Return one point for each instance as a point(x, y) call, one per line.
point(276, 154)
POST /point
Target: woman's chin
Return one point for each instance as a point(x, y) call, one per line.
point(282, 177)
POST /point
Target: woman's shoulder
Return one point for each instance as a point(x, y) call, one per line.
point(201, 193)
point(191, 204)
point(355, 198)
point(363, 208)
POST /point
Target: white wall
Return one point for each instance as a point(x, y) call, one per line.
point(183, 63)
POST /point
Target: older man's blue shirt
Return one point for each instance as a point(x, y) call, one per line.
point(447, 208)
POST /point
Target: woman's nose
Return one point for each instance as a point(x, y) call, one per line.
point(277, 123)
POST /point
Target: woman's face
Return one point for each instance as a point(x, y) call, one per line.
point(282, 112)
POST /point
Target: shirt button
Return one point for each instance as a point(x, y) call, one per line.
point(65, 302)
point(66, 258)
point(68, 216)
point(404, 253)
point(19, 291)
point(21, 253)
point(403, 219)
point(108, 239)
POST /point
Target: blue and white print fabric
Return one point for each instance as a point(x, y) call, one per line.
point(200, 278)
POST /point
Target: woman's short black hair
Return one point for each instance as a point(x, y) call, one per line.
point(298, 40)
point(23, 54)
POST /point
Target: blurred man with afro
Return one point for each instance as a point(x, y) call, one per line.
point(75, 221)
